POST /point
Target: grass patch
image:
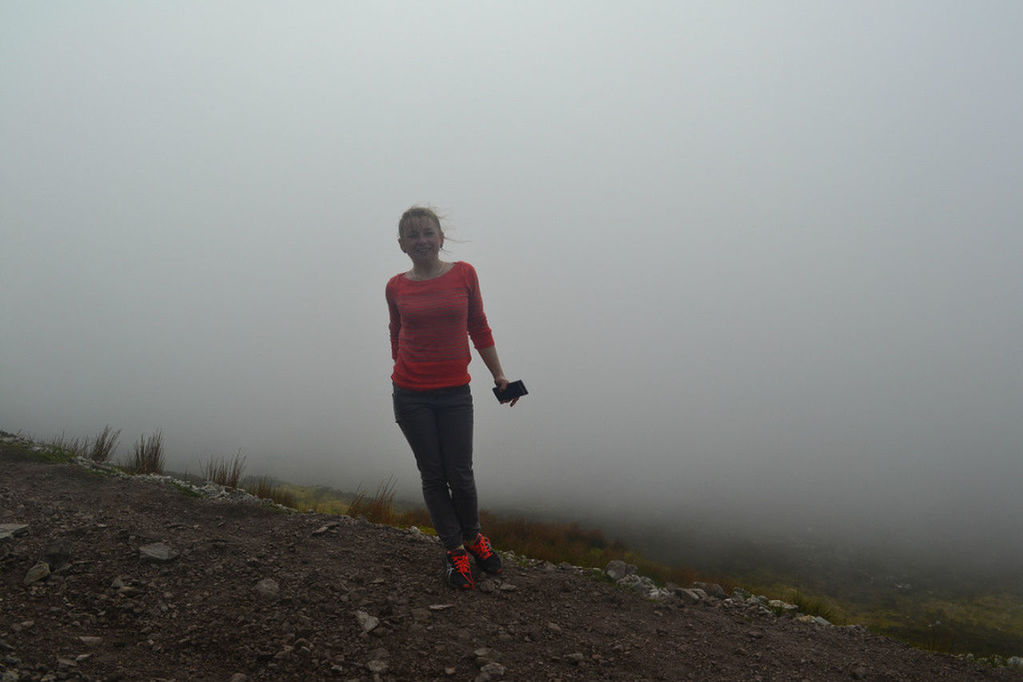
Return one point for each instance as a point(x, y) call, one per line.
point(148, 455)
point(815, 606)
point(266, 488)
point(62, 449)
point(104, 445)
point(224, 472)
point(379, 508)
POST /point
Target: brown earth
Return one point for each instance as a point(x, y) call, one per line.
point(107, 614)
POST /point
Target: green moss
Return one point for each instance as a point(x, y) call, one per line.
point(185, 490)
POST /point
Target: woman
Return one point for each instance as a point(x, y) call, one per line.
point(435, 308)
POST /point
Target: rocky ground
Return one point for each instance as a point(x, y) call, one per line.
point(105, 578)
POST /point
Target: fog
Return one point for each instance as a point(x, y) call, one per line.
point(758, 265)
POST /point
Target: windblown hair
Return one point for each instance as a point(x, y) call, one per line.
point(417, 213)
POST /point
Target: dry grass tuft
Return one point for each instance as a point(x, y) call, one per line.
point(71, 447)
point(223, 472)
point(148, 458)
point(104, 444)
point(377, 509)
point(266, 489)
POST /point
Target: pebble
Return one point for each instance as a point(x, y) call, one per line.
point(268, 587)
point(491, 671)
point(12, 530)
point(37, 573)
point(368, 622)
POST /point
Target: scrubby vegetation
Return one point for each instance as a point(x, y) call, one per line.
point(148, 455)
point(62, 447)
point(104, 445)
point(225, 472)
point(266, 488)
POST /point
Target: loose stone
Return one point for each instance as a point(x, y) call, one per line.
point(368, 622)
point(37, 573)
point(158, 552)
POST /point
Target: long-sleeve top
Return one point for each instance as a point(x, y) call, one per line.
point(431, 324)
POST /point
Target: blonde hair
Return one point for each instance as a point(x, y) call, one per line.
point(417, 213)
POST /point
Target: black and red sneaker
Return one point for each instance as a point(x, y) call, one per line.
point(483, 552)
point(458, 571)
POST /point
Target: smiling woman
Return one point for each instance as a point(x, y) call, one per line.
point(435, 308)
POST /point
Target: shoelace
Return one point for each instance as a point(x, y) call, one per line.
point(482, 546)
point(461, 562)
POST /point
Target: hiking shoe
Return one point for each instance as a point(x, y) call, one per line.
point(457, 571)
point(483, 552)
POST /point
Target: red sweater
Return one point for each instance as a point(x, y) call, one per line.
point(431, 322)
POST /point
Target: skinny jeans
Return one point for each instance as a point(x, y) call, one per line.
point(438, 427)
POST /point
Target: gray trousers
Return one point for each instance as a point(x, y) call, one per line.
point(438, 426)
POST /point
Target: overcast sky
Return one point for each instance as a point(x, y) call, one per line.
point(764, 253)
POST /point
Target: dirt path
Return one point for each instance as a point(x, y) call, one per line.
point(259, 594)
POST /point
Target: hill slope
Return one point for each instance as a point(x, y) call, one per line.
point(108, 613)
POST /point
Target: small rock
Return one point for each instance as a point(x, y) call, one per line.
point(554, 627)
point(377, 666)
point(268, 588)
point(576, 658)
point(491, 671)
point(368, 622)
point(712, 589)
point(159, 552)
point(12, 530)
point(441, 607)
point(90, 641)
point(239, 677)
point(37, 573)
point(617, 569)
point(783, 608)
point(507, 587)
point(859, 673)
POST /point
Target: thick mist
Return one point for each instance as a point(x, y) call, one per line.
point(759, 266)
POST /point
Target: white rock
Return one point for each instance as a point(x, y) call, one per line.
point(368, 622)
point(158, 551)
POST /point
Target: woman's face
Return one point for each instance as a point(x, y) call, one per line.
point(422, 240)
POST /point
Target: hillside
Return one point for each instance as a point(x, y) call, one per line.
point(252, 593)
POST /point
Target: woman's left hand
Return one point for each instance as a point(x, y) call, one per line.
point(502, 383)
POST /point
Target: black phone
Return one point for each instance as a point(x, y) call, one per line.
point(513, 390)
